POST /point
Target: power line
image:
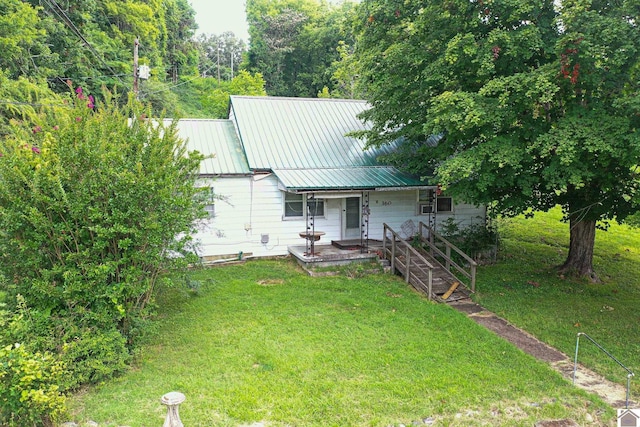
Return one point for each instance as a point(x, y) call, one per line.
point(67, 21)
point(88, 77)
point(179, 84)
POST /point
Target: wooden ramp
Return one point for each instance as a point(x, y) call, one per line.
point(445, 287)
point(428, 269)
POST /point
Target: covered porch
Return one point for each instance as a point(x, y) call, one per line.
point(335, 205)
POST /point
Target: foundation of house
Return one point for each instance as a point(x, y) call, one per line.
point(339, 252)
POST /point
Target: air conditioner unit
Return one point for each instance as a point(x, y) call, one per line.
point(425, 208)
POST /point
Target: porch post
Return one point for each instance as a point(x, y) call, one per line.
point(308, 242)
point(313, 221)
point(364, 231)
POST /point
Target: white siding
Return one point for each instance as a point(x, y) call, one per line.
point(253, 206)
point(225, 234)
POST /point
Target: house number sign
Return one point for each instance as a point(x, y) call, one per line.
point(386, 203)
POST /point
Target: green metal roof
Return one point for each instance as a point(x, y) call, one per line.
point(345, 178)
point(218, 140)
point(295, 133)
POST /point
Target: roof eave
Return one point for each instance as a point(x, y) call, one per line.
point(352, 189)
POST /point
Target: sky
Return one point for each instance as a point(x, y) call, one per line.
point(218, 16)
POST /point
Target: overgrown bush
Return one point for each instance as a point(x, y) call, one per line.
point(29, 394)
point(96, 203)
point(90, 354)
point(93, 355)
point(29, 381)
point(479, 241)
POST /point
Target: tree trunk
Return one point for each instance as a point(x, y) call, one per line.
point(580, 258)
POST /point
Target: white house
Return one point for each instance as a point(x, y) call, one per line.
point(285, 166)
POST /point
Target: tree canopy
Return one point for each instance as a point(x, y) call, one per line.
point(92, 42)
point(294, 43)
point(521, 105)
point(45, 43)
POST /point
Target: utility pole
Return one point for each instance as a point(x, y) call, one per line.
point(135, 67)
point(232, 52)
point(219, 49)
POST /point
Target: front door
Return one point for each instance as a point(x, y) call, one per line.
point(351, 218)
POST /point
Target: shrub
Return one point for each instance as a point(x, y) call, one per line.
point(89, 354)
point(476, 240)
point(93, 207)
point(96, 203)
point(93, 355)
point(29, 394)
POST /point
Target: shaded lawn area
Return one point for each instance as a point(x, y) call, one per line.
point(263, 342)
point(524, 288)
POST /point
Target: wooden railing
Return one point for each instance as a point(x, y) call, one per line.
point(435, 242)
point(412, 263)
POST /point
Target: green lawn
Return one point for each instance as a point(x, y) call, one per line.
point(525, 289)
point(263, 342)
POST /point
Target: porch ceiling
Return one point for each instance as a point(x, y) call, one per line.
point(346, 178)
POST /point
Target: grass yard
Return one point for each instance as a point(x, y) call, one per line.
point(524, 288)
point(263, 342)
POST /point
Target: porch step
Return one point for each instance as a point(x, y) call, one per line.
point(386, 265)
point(354, 244)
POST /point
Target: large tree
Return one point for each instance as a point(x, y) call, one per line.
point(532, 103)
point(22, 40)
point(294, 43)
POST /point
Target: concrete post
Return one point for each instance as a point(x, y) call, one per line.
point(172, 401)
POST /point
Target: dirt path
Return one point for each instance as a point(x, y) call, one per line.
point(612, 393)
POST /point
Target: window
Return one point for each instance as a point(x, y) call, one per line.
point(210, 199)
point(426, 202)
point(425, 209)
point(444, 204)
point(293, 206)
point(425, 196)
point(315, 207)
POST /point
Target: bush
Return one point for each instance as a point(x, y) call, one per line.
point(479, 241)
point(96, 203)
point(89, 354)
point(93, 356)
point(91, 208)
point(29, 394)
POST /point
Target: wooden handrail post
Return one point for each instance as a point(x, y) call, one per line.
point(384, 241)
point(448, 263)
point(407, 274)
point(393, 253)
point(473, 277)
